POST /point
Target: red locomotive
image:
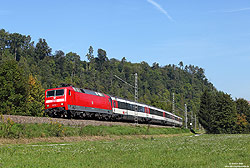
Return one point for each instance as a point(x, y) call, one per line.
point(75, 102)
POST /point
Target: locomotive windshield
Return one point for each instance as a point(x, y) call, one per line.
point(60, 92)
point(55, 93)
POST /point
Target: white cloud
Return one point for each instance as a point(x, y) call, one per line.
point(231, 10)
point(160, 9)
point(237, 10)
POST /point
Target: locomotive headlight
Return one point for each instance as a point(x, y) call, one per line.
point(47, 105)
point(62, 104)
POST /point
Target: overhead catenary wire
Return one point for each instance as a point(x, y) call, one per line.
point(136, 92)
point(124, 81)
point(185, 110)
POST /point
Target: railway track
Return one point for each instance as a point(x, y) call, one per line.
point(69, 122)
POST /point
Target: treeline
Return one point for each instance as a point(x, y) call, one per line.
point(219, 113)
point(27, 69)
point(20, 93)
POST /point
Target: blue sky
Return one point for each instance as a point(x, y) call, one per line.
point(214, 35)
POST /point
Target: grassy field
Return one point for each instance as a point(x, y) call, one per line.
point(180, 151)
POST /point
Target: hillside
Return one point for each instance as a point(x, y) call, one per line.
point(33, 67)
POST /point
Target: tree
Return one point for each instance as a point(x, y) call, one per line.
point(13, 92)
point(242, 124)
point(226, 115)
point(243, 115)
point(217, 112)
point(59, 54)
point(102, 55)
point(16, 41)
point(123, 60)
point(42, 49)
point(35, 101)
point(74, 63)
point(3, 41)
point(181, 65)
point(90, 55)
point(207, 111)
point(155, 65)
point(101, 58)
point(243, 107)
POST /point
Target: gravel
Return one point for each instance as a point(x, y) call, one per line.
point(69, 122)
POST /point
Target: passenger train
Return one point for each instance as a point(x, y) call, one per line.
point(83, 103)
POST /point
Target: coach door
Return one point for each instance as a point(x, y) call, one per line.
point(70, 97)
point(146, 111)
point(114, 105)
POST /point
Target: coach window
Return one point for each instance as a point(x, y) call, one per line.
point(159, 113)
point(123, 105)
point(130, 107)
point(69, 92)
point(126, 106)
point(152, 111)
point(156, 112)
point(133, 107)
point(141, 109)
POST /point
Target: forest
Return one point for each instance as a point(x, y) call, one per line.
point(28, 69)
point(220, 114)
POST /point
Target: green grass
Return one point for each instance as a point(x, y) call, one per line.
point(181, 151)
point(128, 130)
point(9, 129)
